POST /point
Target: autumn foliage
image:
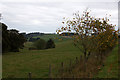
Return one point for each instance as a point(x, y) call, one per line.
point(94, 34)
point(95, 39)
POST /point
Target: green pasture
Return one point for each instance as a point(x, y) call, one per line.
point(19, 64)
point(110, 70)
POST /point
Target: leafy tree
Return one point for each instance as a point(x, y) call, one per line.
point(93, 33)
point(40, 44)
point(50, 44)
point(5, 39)
point(12, 40)
point(16, 40)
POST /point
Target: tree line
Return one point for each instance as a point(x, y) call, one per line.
point(29, 36)
point(12, 40)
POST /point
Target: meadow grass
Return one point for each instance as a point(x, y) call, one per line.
point(19, 64)
point(110, 70)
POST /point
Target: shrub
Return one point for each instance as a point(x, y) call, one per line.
point(50, 44)
point(103, 37)
point(40, 44)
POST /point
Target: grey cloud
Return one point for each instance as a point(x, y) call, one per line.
point(47, 17)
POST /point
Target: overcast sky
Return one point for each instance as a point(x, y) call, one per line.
point(46, 16)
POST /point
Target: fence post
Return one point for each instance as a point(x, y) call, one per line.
point(70, 66)
point(70, 63)
point(80, 58)
point(73, 76)
point(76, 59)
point(29, 75)
point(50, 70)
point(62, 66)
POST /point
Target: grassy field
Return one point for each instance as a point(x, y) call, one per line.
point(110, 70)
point(19, 64)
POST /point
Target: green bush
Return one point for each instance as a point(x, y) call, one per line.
point(40, 44)
point(50, 44)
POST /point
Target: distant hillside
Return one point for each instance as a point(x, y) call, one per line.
point(67, 34)
point(35, 34)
